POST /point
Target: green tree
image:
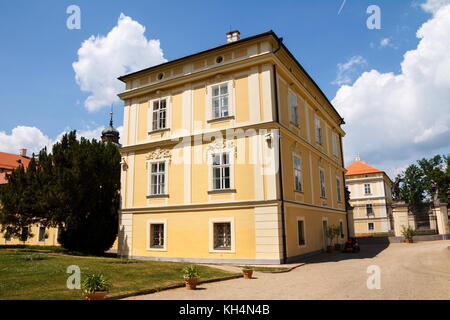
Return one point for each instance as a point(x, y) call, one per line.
point(411, 187)
point(76, 187)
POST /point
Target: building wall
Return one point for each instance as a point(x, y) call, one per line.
point(34, 239)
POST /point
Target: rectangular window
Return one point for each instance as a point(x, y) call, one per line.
point(318, 130)
point(8, 234)
point(371, 226)
point(221, 171)
point(341, 229)
point(367, 189)
point(338, 190)
point(369, 208)
point(157, 235)
point(24, 235)
point(322, 183)
point(159, 114)
point(158, 178)
point(222, 236)
point(41, 234)
point(298, 174)
point(220, 98)
point(293, 108)
point(335, 144)
point(301, 232)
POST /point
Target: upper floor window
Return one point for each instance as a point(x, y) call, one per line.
point(338, 187)
point(335, 144)
point(367, 189)
point(159, 115)
point(220, 97)
point(369, 208)
point(221, 171)
point(158, 178)
point(318, 129)
point(293, 108)
point(298, 174)
point(322, 183)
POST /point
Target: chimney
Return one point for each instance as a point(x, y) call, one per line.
point(233, 36)
point(23, 152)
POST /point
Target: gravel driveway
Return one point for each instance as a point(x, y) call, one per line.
point(408, 271)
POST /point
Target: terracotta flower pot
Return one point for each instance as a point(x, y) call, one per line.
point(98, 295)
point(409, 240)
point(191, 283)
point(247, 273)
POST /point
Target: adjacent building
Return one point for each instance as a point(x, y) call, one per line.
point(231, 154)
point(371, 197)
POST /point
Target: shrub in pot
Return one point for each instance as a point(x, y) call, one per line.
point(95, 287)
point(408, 234)
point(191, 277)
point(247, 272)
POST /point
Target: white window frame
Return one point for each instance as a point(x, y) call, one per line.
point(39, 233)
point(230, 220)
point(151, 222)
point(294, 156)
point(293, 107)
point(318, 130)
point(209, 103)
point(210, 155)
point(304, 232)
point(339, 189)
point(323, 184)
point(166, 177)
point(369, 188)
point(168, 114)
point(335, 144)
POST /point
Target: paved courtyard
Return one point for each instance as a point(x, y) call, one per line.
point(408, 271)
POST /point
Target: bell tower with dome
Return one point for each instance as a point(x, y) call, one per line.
point(111, 134)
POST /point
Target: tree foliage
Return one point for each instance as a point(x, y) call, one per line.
point(75, 188)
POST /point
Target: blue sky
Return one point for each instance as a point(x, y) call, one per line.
point(38, 86)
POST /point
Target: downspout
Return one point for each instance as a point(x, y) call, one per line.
point(277, 119)
point(345, 185)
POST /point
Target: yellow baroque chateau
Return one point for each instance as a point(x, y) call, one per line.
point(230, 155)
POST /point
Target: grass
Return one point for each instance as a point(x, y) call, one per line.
point(44, 275)
point(265, 269)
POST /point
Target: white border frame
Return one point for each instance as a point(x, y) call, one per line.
point(210, 153)
point(231, 102)
point(292, 92)
point(301, 218)
point(159, 221)
point(168, 99)
point(166, 176)
point(230, 220)
point(324, 182)
point(296, 155)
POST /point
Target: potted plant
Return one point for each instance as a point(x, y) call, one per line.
point(191, 277)
point(247, 271)
point(95, 287)
point(330, 236)
point(408, 234)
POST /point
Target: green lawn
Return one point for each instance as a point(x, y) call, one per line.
point(44, 277)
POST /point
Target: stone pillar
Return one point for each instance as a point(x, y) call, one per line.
point(441, 213)
point(432, 218)
point(351, 223)
point(400, 215)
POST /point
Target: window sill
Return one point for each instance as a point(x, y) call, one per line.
point(153, 196)
point(222, 251)
point(303, 246)
point(156, 249)
point(159, 131)
point(222, 119)
point(299, 191)
point(222, 191)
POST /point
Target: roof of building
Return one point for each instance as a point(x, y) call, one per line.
point(11, 161)
point(359, 167)
point(240, 41)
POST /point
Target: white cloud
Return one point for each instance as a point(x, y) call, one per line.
point(33, 139)
point(385, 42)
point(432, 6)
point(393, 119)
point(347, 71)
point(101, 59)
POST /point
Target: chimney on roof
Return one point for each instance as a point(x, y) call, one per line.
point(233, 36)
point(23, 152)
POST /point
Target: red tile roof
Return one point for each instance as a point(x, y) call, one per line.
point(360, 167)
point(9, 162)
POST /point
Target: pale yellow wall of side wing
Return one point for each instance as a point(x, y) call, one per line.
point(34, 240)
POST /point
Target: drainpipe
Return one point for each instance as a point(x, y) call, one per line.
point(280, 165)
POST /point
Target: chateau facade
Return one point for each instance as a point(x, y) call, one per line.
point(230, 155)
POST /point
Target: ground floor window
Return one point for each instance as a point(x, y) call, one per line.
point(301, 232)
point(341, 229)
point(157, 235)
point(25, 234)
point(222, 236)
point(42, 234)
point(8, 234)
point(371, 226)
